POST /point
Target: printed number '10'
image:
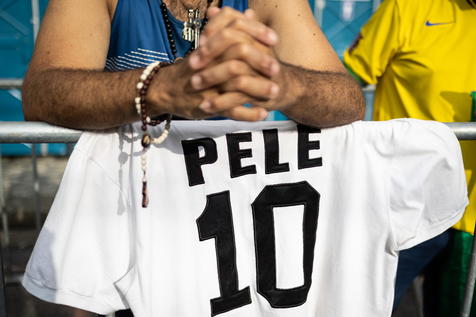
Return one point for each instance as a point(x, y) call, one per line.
point(216, 222)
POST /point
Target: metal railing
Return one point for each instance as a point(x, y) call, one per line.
point(11, 83)
point(36, 132)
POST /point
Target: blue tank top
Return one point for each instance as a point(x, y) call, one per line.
point(139, 37)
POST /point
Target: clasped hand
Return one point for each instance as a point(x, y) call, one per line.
point(234, 65)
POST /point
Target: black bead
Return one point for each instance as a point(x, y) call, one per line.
point(162, 5)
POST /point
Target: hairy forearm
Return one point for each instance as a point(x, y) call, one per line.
point(80, 99)
point(321, 99)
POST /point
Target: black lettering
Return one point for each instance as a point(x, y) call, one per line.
point(305, 146)
point(282, 195)
point(235, 154)
point(271, 153)
point(216, 222)
point(194, 162)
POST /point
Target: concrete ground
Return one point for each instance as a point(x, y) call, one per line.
point(20, 206)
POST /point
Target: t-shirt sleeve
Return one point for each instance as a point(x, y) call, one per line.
point(427, 190)
point(377, 43)
point(83, 250)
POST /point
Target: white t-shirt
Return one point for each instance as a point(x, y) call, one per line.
point(247, 219)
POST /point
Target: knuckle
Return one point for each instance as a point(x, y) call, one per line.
point(234, 67)
point(240, 82)
point(228, 11)
point(213, 105)
point(238, 23)
point(227, 34)
point(206, 77)
point(244, 49)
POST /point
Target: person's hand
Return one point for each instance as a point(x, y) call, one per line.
point(236, 58)
point(171, 92)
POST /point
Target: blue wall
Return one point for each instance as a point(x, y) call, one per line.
point(342, 21)
point(16, 46)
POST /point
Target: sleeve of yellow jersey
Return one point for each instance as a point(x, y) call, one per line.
point(376, 45)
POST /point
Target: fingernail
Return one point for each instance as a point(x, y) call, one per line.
point(205, 105)
point(263, 114)
point(274, 91)
point(194, 60)
point(272, 37)
point(196, 81)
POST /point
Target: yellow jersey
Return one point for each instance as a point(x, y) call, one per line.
point(421, 54)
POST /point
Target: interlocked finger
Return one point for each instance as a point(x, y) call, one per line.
point(226, 28)
point(254, 86)
point(217, 45)
point(224, 102)
point(257, 56)
point(219, 74)
point(247, 23)
point(243, 113)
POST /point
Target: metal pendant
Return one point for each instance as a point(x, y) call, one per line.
point(197, 27)
point(188, 33)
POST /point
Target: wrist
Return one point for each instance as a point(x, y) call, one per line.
point(159, 97)
point(286, 98)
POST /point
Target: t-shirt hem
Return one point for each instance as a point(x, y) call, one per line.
point(62, 297)
point(435, 229)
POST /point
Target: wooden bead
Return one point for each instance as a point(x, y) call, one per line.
point(145, 196)
point(146, 140)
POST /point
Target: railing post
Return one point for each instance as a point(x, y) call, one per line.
point(3, 302)
point(470, 282)
point(3, 213)
point(36, 188)
point(5, 242)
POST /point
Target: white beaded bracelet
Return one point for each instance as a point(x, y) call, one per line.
point(141, 108)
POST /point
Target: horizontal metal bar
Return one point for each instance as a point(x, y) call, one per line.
point(38, 132)
point(463, 130)
point(35, 132)
point(15, 278)
point(11, 83)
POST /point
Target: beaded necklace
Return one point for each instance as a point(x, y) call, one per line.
point(191, 28)
point(191, 33)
